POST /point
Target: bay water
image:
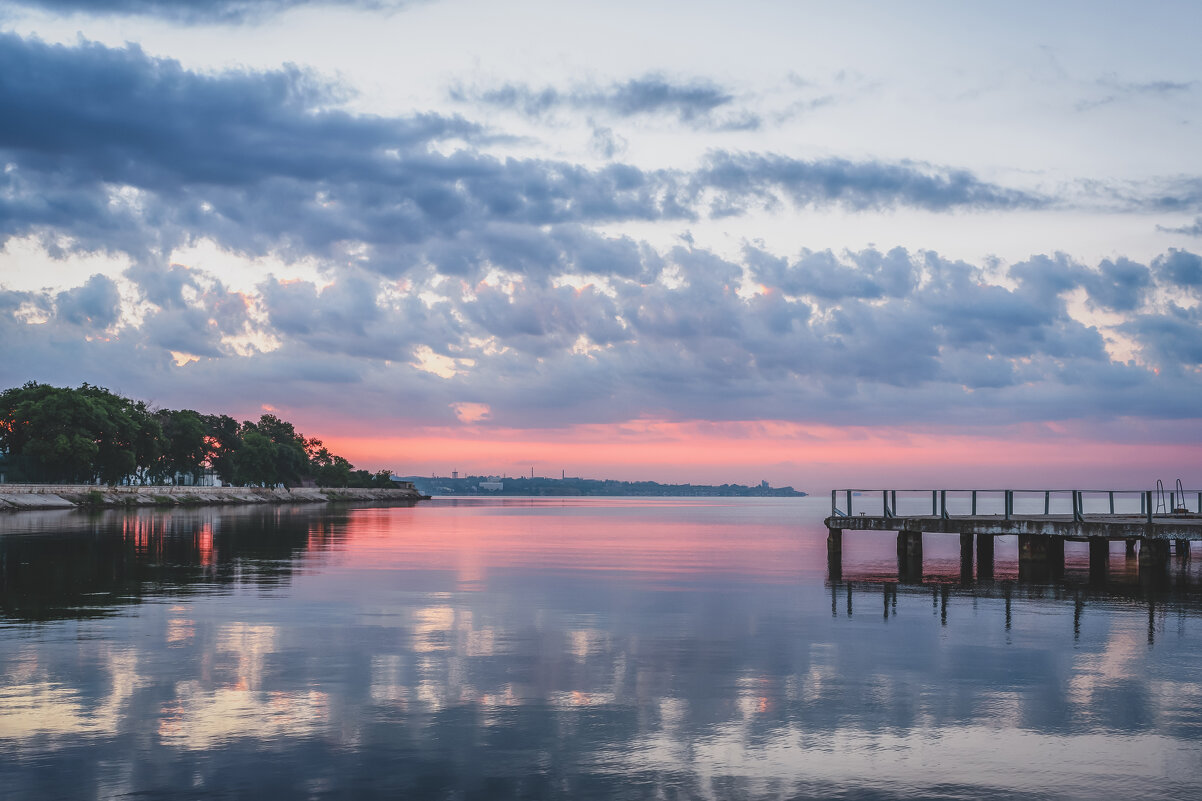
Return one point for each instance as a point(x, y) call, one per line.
point(577, 648)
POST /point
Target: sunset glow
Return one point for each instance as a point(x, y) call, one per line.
point(802, 243)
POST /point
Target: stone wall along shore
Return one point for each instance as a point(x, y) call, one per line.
point(16, 497)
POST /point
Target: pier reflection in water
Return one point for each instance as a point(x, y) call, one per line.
point(619, 649)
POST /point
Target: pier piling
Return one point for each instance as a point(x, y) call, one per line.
point(834, 553)
point(985, 556)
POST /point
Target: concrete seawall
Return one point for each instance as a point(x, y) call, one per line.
point(18, 497)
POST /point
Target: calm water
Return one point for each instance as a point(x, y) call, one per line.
point(588, 648)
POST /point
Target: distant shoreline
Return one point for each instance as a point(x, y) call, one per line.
point(29, 497)
point(575, 487)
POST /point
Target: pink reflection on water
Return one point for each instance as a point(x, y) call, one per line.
point(660, 539)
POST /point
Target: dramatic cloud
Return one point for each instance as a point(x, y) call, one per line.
point(234, 238)
point(112, 150)
point(918, 338)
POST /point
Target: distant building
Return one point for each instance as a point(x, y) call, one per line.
point(455, 474)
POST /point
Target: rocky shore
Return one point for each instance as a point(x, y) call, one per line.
point(17, 497)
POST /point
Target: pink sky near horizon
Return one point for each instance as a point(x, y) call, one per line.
point(808, 457)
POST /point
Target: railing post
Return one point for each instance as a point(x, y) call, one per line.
point(1047, 502)
point(849, 503)
point(974, 503)
point(1148, 505)
point(943, 503)
point(1112, 502)
point(894, 494)
point(934, 503)
point(833, 492)
point(1078, 506)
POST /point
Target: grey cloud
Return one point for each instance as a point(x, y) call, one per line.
point(1117, 90)
point(693, 102)
point(868, 274)
point(119, 152)
point(1180, 268)
point(96, 304)
point(744, 177)
point(1119, 285)
point(952, 343)
point(606, 143)
point(1180, 194)
point(1189, 230)
point(196, 11)
point(354, 317)
point(1172, 339)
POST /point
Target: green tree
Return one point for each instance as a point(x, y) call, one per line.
point(85, 434)
point(255, 461)
point(291, 463)
point(185, 448)
point(222, 440)
point(52, 434)
point(327, 469)
point(48, 433)
point(127, 436)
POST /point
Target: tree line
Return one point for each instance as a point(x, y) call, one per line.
point(91, 435)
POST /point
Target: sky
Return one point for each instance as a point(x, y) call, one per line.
point(819, 244)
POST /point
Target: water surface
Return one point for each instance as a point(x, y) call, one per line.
point(576, 648)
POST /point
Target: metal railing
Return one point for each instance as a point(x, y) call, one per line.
point(1007, 502)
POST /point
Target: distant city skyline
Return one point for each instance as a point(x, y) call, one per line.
point(819, 244)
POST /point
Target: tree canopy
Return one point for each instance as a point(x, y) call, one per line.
point(91, 435)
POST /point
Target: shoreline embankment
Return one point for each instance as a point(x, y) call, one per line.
point(21, 497)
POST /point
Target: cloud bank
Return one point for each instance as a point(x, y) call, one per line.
point(452, 278)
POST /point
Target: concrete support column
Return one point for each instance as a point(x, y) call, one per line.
point(1040, 557)
point(909, 544)
point(1182, 549)
point(1131, 548)
point(1099, 558)
point(1153, 555)
point(834, 553)
point(909, 556)
point(966, 558)
point(1056, 556)
point(984, 556)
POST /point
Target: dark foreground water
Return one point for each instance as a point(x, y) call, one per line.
point(602, 648)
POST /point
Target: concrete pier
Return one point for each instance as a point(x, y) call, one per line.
point(1041, 537)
